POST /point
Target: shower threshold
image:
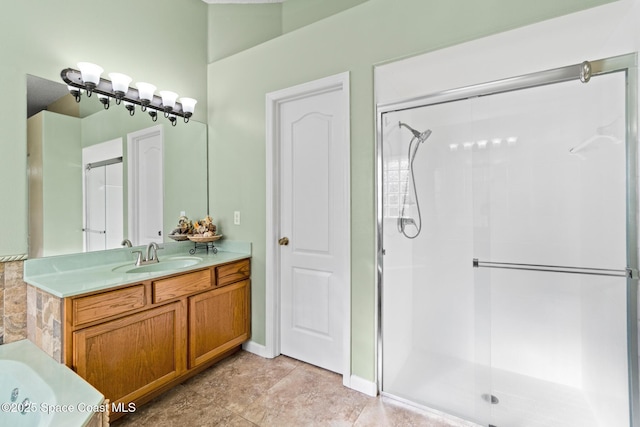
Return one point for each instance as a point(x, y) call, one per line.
point(450, 420)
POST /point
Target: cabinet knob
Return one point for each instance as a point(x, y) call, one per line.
point(283, 241)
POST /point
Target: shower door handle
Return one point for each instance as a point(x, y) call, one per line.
point(283, 241)
point(627, 272)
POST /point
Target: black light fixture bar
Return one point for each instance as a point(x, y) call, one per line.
point(73, 78)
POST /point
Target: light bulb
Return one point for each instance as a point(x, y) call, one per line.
point(74, 89)
point(90, 74)
point(188, 105)
point(120, 83)
point(168, 99)
point(145, 93)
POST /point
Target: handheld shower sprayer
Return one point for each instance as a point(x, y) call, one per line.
point(422, 136)
point(403, 221)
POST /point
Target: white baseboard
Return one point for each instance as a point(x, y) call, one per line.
point(369, 388)
point(255, 348)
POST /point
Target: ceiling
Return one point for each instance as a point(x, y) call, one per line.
point(41, 93)
point(241, 1)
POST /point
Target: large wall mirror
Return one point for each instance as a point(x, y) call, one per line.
point(98, 176)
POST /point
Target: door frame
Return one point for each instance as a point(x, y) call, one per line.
point(274, 100)
point(133, 139)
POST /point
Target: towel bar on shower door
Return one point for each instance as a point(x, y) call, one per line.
point(627, 272)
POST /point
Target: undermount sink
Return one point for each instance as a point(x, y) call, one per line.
point(166, 264)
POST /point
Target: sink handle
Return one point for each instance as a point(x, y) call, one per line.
point(158, 249)
point(139, 257)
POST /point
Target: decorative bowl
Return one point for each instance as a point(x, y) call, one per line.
point(202, 239)
point(178, 237)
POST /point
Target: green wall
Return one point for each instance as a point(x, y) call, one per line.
point(236, 27)
point(55, 185)
point(61, 184)
point(355, 40)
point(300, 13)
point(41, 37)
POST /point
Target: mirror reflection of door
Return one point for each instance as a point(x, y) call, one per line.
point(103, 196)
point(146, 194)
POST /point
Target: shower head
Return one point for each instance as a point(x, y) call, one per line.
point(422, 136)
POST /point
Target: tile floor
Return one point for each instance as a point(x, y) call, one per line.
point(248, 390)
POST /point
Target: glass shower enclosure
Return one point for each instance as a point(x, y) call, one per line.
point(507, 249)
point(103, 205)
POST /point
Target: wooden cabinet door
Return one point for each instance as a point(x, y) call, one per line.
point(218, 321)
point(131, 356)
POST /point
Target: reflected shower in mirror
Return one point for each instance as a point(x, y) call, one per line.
point(65, 197)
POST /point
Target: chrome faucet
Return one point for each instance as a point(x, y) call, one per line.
point(152, 255)
point(152, 252)
point(126, 242)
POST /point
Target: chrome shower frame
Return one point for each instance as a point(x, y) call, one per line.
point(584, 71)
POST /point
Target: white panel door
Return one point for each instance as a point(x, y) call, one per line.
point(314, 218)
point(145, 186)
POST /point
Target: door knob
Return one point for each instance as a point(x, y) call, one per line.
point(283, 241)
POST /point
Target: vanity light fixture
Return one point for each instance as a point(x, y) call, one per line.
point(90, 75)
point(188, 106)
point(168, 101)
point(145, 93)
point(120, 84)
point(88, 78)
point(76, 92)
point(104, 99)
point(131, 107)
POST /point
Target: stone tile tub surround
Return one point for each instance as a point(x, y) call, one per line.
point(44, 321)
point(28, 312)
point(13, 302)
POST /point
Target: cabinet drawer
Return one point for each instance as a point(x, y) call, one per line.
point(107, 304)
point(175, 287)
point(230, 273)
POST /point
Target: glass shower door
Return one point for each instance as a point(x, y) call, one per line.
point(550, 247)
point(95, 208)
point(103, 205)
point(509, 306)
point(435, 322)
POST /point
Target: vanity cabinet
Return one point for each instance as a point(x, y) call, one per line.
point(131, 356)
point(134, 342)
point(218, 321)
